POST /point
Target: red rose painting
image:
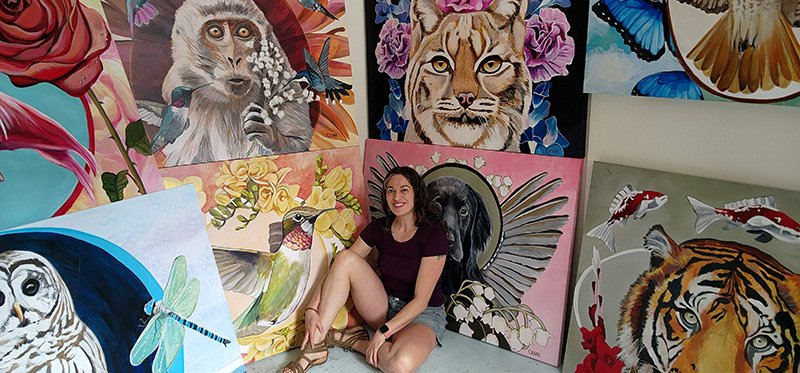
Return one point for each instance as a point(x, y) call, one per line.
point(56, 41)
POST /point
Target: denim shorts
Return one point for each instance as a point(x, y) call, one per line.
point(433, 317)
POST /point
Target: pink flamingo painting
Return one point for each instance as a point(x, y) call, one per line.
point(23, 127)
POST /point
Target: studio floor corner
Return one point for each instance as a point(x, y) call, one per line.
point(457, 354)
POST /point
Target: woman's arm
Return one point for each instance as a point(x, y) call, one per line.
point(430, 270)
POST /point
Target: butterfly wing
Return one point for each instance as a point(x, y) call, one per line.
point(170, 345)
point(639, 22)
point(672, 84)
point(149, 339)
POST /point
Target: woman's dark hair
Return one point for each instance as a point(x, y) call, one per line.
point(423, 209)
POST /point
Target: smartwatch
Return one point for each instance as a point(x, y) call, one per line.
point(384, 329)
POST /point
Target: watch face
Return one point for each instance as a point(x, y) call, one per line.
point(384, 329)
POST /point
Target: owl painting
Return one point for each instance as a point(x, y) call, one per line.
point(39, 329)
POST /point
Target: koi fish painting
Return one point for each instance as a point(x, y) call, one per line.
point(627, 203)
point(680, 294)
point(754, 215)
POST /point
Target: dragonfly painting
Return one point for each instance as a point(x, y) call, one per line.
point(165, 331)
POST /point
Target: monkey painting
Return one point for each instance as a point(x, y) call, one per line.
point(237, 111)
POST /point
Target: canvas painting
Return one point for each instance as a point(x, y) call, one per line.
point(228, 79)
point(256, 211)
point(694, 50)
point(484, 74)
point(510, 220)
point(126, 287)
point(69, 132)
point(684, 273)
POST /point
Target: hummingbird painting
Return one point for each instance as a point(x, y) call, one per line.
point(171, 119)
point(314, 5)
point(751, 47)
point(276, 279)
point(319, 78)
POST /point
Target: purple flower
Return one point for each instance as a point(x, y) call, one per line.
point(462, 6)
point(548, 48)
point(392, 50)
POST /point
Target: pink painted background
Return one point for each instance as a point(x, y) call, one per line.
point(547, 297)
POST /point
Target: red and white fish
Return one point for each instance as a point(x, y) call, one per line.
point(628, 202)
point(755, 215)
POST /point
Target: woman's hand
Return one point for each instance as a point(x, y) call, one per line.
point(378, 339)
point(313, 327)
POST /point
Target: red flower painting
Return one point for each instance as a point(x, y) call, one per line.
point(55, 41)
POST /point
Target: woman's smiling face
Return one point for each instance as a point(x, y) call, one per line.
point(400, 195)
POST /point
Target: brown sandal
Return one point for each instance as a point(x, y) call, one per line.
point(357, 333)
point(295, 366)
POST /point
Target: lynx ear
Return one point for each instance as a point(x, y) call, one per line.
point(425, 15)
point(508, 11)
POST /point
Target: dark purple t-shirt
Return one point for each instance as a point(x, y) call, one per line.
point(399, 262)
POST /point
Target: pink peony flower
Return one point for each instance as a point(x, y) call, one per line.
point(548, 48)
point(392, 50)
point(463, 6)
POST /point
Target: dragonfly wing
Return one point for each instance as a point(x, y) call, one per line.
point(171, 343)
point(187, 299)
point(176, 282)
point(149, 339)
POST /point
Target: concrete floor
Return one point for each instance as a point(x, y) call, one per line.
point(457, 354)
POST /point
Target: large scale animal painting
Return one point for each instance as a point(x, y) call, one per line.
point(275, 224)
point(69, 133)
point(230, 79)
point(479, 74)
point(743, 51)
point(508, 226)
point(113, 289)
point(690, 287)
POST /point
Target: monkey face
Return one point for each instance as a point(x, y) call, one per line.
point(228, 48)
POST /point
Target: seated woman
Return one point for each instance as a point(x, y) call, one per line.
point(405, 304)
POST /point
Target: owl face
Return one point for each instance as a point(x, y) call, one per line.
point(30, 290)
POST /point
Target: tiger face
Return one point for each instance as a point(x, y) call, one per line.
point(467, 81)
point(710, 306)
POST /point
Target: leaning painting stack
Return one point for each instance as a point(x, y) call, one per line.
point(125, 287)
point(682, 273)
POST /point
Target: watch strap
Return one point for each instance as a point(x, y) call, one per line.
point(384, 329)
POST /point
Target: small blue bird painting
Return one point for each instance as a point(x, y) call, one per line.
point(164, 331)
point(314, 5)
point(276, 279)
point(319, 78)
point(172, 119)
point(140, 12)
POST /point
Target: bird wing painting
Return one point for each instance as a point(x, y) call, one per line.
point(275, 224)
point(720, 50)
point(509, 224)
point(274, 81)
point(112, 289)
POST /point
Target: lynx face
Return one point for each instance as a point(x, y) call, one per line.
point(467, 82)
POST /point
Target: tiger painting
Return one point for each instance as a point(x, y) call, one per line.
point(467, 83)
point(710, 306)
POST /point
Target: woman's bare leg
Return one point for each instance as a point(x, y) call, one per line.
point(408, 350)
point(350, 275)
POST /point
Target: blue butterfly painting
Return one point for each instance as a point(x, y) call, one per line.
point(643, 28)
